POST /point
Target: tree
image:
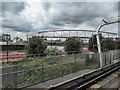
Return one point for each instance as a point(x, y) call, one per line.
point(53, 51)
point(36, 46)
point(73, 44)
point(108, 44)
point(92, 43)
point(117, 44)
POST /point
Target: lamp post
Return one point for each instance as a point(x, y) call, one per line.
point(7, 47)
point(98, 37)
point(7, 51)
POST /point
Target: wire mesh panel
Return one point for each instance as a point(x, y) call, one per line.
point(118, 54)
point(52, 68)
point(92, 60)
point(25, 62)
point(23, 73)
point(29, 77)
point(114, 54)
point(69, 58)
point(104, 59)
point(52, 60)
point(40, 69)
point(67, 68)
point(96, 60)
point(37, 62)
point(80, 62)
point(51, 72)
point(107, 58)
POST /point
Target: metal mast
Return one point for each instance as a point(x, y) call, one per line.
point(98, 37)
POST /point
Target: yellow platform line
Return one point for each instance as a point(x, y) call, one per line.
point(95, 86)
point(114, 75)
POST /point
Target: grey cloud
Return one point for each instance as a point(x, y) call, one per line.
point(46, 5)
point(7, 26)
point(49, 27)
point(79, 13)
point(18, 24)
point(11, 17)
point(67, 14)
point(12, 7)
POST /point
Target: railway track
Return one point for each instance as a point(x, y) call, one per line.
point(85, 81)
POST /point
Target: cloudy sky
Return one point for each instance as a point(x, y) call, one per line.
point(28, 18)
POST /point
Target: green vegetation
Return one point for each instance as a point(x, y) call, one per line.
point(117, 42)
point(39, 69)
point(73, 44)
point(55, 42)
point(92, 44)
point(53, 51)
point(36, 46)
point(106, 43)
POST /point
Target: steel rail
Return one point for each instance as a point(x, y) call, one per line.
point(97, 78)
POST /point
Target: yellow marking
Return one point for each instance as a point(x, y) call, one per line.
point(95, 86)
point(114, 75)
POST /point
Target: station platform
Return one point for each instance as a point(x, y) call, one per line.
point(57, 81)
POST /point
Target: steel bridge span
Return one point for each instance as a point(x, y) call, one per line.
point(85, 34)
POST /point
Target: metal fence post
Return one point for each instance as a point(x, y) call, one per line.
point(42, 70)
point(75, 64)
point(115, 55)
point(105, 58)
point(86, 61)
point(119, 53)
point(110, 57)
point(61, 68)
point(14, 76)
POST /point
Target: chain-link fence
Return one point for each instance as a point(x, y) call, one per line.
point(36, 69)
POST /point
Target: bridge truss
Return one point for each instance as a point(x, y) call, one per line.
point(84, 34)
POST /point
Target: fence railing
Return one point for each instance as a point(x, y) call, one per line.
point(108, 57)
point(33, 70)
